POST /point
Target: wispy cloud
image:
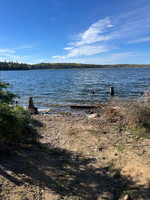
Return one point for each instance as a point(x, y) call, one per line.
point(111, 58)
point(14, 53)
point(86, 42)
point(24, 47)
point(110, 33)
point(3, 51)
point(13, 50)
point(13, 57)
point(139, 40)
point(86, 50)
point(94, 33)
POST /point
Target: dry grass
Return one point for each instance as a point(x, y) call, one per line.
point(138, 112)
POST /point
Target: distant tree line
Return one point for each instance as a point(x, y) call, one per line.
point(23, 66)
point(14, 66)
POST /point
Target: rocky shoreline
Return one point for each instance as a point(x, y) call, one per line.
point(79, 158)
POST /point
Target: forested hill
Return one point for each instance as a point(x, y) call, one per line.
point(23, 66)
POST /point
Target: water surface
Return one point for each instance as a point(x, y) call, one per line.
point(60, 88)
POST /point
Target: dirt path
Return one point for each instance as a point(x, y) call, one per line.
point(79, 158)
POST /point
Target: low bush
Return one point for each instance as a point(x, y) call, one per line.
point(15, 121)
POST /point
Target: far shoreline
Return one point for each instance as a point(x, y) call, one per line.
point(77, 69)
point(15, 66)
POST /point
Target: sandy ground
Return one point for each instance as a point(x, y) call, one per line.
point(78, 158)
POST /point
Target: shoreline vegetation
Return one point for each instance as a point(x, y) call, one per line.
point(56, 157)
point(23, 66)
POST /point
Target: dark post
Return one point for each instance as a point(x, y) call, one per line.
point(31, 108)
point(112, 90)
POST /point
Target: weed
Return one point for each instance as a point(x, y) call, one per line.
point(73, 132)
point(140, 132)
point(107, 130)
point(120, 148)
point(110, 165)
point(116, 128)
point(60, 183)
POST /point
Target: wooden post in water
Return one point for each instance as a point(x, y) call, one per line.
point(112, 90)
point(31, 108)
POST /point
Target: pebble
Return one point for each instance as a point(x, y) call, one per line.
point(126, 197)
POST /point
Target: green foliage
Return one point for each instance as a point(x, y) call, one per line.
point(5, 95)
point(13, 66)
point(15, 121)
point(140, 132)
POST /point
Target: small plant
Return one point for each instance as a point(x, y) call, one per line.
point(110, 165)
point(120, 148)
point(116, 128)
point(73, 132)
point(140, 132)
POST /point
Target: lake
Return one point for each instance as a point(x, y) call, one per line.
point(58, 89)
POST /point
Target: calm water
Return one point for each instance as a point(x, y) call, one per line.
point(59, 88)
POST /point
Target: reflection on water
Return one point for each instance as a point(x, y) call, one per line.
point(56, 88)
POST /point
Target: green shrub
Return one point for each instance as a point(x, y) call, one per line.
point(15, 121)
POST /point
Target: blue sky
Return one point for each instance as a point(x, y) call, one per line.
point(82, 31)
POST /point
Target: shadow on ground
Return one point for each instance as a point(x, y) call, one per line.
point(66, 174)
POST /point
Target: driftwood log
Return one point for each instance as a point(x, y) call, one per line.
point(83, 106)
point(31, 108)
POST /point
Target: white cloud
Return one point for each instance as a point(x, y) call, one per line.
point(85, 45)
point(92, 34)
point(107, 34)
point(3, 51)
point(14, 54)
point(24, 47)
point(87, 50)
point(113, 58)
point(132, 25)
point(139, 40)
point(68, 48)
point(56, 57)
point(13, 50)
